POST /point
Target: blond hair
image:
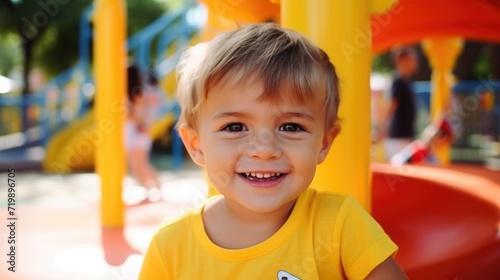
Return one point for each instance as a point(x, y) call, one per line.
point(275, 55)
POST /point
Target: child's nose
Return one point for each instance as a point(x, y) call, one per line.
point(264, 145)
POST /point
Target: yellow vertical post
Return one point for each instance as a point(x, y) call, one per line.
point(110, 75)
point(442, 53)
point(342, 29)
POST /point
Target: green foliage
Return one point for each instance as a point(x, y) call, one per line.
point(482, 68)
point(381, 63)
point(140, 13)
point(58, 47)
point(52, 26)
point(10, 54)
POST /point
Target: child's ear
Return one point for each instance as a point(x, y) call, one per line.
point(327, 141)
point(191, 141)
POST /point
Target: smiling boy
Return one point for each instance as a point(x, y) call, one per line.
point(259, 112)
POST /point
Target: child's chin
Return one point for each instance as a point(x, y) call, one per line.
point(264, 206)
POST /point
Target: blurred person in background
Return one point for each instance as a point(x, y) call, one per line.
point(137, 138)
point(398, 129)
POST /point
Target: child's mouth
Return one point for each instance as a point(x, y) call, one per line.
point(261, 177)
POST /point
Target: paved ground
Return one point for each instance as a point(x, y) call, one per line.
point(58, 234)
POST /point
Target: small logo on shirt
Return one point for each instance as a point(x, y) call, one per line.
point(283, 275)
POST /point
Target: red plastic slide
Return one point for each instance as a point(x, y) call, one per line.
point(446, 222)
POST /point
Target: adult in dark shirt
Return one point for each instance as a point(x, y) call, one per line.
point(402, 111)
point(402, 123)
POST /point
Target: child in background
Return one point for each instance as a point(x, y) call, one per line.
point(421, 150)
point(137, 138)
point(259, 112)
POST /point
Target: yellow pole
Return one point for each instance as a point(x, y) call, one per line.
point(110, 74)
point(342, 29)
point(442, 53)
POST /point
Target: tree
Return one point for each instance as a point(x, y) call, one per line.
point(478, 61)
point(9, 53)
point(30, 21)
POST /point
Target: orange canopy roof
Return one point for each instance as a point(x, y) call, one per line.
point(410, 21)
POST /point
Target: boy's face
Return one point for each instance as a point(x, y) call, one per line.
point(260, 155)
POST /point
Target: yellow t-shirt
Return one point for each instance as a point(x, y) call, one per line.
point(327, 236)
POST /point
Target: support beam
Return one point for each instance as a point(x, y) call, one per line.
point(442, 53)
point(342, 29)
point(110, 109)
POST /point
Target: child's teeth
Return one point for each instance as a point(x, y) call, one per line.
point(262, 175)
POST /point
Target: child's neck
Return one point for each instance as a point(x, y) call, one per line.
point(230, 227)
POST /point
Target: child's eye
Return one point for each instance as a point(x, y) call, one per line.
point(291, 127)
point(234, 127)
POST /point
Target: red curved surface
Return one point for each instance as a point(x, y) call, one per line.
point(445, 222)
point(409, 21)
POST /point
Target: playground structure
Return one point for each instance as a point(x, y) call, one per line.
point(422, 209)
point(171, 30)
point(444, 221)
point(65, 104)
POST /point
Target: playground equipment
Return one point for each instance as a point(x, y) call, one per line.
point(330, 25)
point(423, 210)
point(110, 81)
point(172, 32)
point(444, 221)
point(64, 127)
point(437, 133)
point(109, 22)
point(441, 32)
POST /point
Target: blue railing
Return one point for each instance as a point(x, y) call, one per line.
point(474, 115)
